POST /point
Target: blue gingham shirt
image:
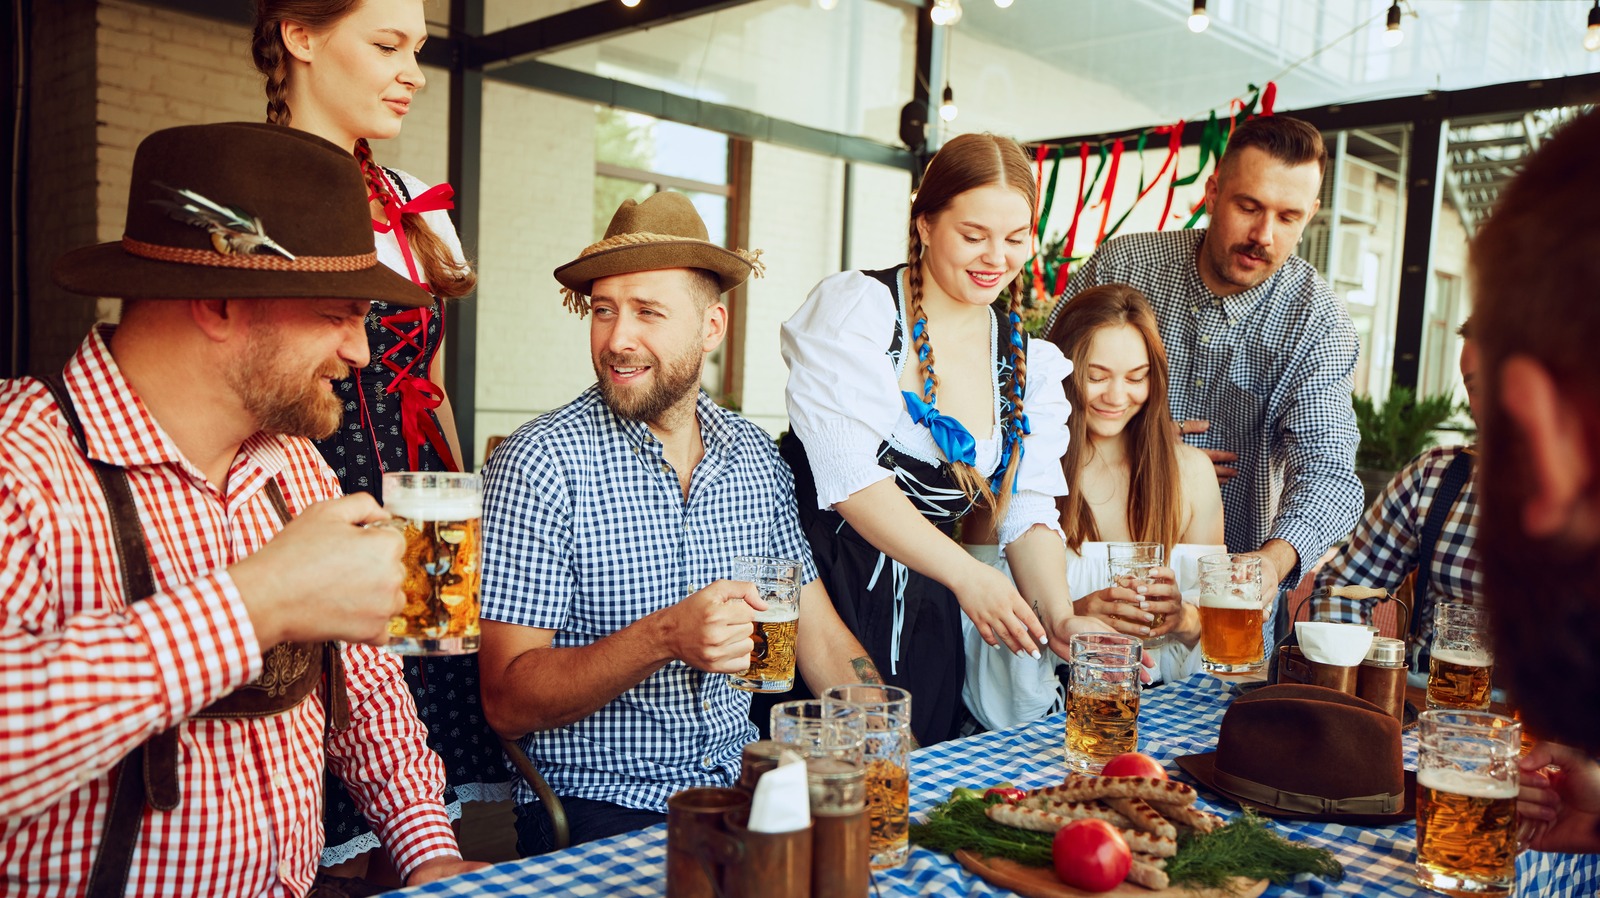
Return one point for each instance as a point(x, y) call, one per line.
point(1270, 368)
point(585, 531)
point(1387, 546)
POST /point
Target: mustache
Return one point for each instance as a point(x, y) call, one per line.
point(1253, 250)
point(618, 360)
point(339, 372)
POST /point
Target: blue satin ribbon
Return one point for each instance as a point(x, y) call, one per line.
point(948, 434)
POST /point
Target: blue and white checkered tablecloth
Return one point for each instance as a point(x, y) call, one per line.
point(1177, 719)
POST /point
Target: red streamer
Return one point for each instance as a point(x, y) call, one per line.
point(1072, 229)
point(1110, 191)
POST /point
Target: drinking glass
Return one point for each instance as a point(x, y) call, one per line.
point(1129, 565)
point(1102, 700)
point(1233, 610)
point(832, 737)
point(1467, 783)
point(1460, 665)
point(772, 660)
point(439, 513)
point(887, 753)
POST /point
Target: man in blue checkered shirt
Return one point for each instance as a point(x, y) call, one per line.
point(610, 528)
point(1259, 349)
point(1392, 541)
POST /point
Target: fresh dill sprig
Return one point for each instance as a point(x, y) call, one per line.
point(1247, 846)
point(962, 824)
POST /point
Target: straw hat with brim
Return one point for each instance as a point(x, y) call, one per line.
point(1309, 753)
point(241, 211)
point(664, 231)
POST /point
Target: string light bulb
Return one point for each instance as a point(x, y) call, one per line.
point(827, 4)
point(630, 3)
point(945, 12)
point(947, 107)
point(1392, 35)
point(1003, 4)
point(1198, 20)
point(1591, 37)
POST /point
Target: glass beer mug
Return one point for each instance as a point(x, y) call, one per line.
point(439, 514)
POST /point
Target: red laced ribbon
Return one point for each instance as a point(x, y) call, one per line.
point(418, 395)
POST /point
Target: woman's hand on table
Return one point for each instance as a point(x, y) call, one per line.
point(1559, 802)
point(1001, 615)
point(438, 868)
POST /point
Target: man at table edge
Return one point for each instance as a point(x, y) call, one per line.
point(1261, 350)
point(610, 525)
point(198, 645)
point(1535, 267)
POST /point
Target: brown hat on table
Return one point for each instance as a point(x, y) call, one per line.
point(664, 231)
point(241, 211)
point(1310, 753)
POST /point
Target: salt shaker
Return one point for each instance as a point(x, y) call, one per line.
point(1381, 678)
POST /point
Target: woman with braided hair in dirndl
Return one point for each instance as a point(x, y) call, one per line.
point(346, 70)
point(913, 398)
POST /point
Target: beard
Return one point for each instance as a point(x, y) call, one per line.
point(674, 380)
point(1542, 595)
point(284, 401)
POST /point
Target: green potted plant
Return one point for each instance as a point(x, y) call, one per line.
point(1395, 433)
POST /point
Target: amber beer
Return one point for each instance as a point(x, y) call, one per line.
point(772, 660)
point(1459, 679)
point(440, 516)
point(1101, 726)
point(1102, 699)
point(1467, 784)
point(1232, 613)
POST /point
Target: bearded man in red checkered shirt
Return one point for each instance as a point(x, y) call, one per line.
point(189, 612)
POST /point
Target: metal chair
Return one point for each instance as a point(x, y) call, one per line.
point(547, 796)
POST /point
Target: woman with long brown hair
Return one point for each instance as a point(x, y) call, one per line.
point(912, 400)
point(1130, 480)
point(347, 71)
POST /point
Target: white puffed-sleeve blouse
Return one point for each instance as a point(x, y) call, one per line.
point(844, 401)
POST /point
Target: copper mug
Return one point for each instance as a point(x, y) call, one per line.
point(699, 848)
point(771, 865)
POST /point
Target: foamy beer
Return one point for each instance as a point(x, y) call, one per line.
point(1467, 802)
point(1102, 700)
point(1460, 666)
point(439, 515)
point(1233, 612)
point(772, 660)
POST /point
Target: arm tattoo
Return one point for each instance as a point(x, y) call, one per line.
point(866, 671)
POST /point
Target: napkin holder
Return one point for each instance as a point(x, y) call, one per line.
point(1289, 663)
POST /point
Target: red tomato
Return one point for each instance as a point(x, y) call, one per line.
point(1134, 764)
point(1091, 855)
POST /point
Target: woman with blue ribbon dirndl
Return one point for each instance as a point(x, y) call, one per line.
point(913, 399)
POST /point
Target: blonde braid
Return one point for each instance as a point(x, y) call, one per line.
point(1015, 389)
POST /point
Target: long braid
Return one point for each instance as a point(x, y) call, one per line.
point(446, 278)
point(1016, 420)
point(266, 47)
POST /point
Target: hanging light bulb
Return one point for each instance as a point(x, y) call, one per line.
point(945, 12)
point(1198, 20)
point(1591, 37)
point(630, 3)
point(1003, 4)
point(1392, 35)
point(947, 108)
point(827, 4)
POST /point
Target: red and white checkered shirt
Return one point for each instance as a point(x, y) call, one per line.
point(84, 677)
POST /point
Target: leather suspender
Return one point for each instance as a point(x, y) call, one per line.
point(149, 773)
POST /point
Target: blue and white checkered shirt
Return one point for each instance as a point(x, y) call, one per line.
point(1270, 368)
point(585, 531)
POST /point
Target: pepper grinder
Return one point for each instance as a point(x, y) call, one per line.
point(1381, 678)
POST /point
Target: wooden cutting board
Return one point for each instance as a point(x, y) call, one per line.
point(1041, 882)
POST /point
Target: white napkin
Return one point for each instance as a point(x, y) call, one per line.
point(1342, 645)
point(781, 803)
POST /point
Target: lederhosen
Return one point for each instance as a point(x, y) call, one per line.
point(149, 774)
point(909, 624)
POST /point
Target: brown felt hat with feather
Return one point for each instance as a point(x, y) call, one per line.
point(664, 231)
point(241, 211)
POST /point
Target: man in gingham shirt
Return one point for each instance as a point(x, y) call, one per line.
point(1387, 545)
point(206, 405)
point(1259, 348)
point(610, 528)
